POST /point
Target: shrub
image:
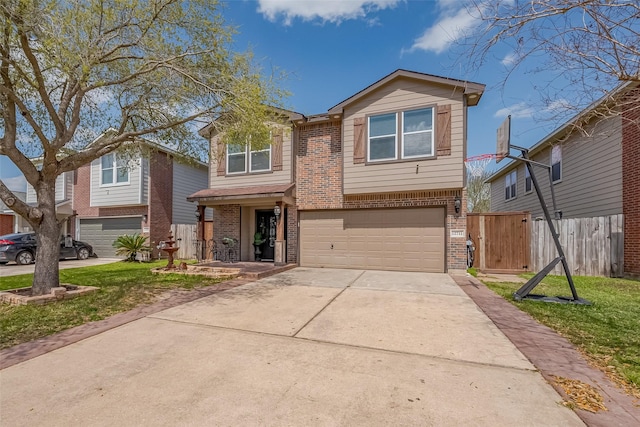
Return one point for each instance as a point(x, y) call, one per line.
point(130, 245)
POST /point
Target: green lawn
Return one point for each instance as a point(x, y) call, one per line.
point(123, 286)
point(608, 331)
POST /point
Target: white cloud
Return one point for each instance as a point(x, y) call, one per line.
point(509, 59)
point(16, 183)
point(521, 110)
point(326, 11)
point(453, 23)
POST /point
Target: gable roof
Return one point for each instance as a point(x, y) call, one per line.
point(472, 90)
point(568, 127)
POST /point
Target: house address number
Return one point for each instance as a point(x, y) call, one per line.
point(457, 233)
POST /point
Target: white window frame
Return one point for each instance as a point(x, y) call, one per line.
point(241, 153)
point(399, 136)
point(432, 148)
point(247, 160)
point(395, 139)
point(556, 159)
point(528, 182)
point(511, 185)
point(116, 166)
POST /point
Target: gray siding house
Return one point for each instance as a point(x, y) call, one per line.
point(595, 171)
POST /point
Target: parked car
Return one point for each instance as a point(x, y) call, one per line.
point(21, 248)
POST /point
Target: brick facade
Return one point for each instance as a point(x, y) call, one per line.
point(292, 234)
point(160, 198)
point(226, 223)
point(631, 188)
point(319, 166)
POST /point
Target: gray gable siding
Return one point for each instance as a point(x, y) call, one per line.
point(187, 180)
point(591, 182)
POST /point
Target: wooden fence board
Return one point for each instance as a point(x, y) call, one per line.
point(185, 237)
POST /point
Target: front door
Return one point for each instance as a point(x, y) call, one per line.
point(266, 226)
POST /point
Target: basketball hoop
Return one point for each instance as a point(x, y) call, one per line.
point(477, 164)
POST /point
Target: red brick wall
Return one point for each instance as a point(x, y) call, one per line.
point(226, 223)
point(631, 188)
point(292, 234)
point(6, 224)
point(160, 197)
point(319, 166)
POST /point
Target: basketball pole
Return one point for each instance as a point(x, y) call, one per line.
point(524, 291)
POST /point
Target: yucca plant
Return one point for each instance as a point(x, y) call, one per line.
point(130, 245)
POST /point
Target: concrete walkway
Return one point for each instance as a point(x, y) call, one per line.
point(13, 269)
point(303, 347)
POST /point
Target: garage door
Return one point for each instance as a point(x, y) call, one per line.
point(380, 239)
point(101, 233)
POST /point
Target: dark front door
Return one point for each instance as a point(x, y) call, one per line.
point(266, 226)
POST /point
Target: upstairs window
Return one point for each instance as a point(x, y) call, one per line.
point(411, 138)
point(113, 170)
point(511, 181)
point(556, 163)
point(528, 185)
point(243, 159)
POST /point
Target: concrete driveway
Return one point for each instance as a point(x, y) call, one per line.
point(13, 269)
point(304, 347)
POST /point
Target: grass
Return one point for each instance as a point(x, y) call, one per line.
point(123, 286)
point(607, 332)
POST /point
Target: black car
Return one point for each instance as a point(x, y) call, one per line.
point(21, 248)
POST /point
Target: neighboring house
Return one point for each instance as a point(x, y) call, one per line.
point(372, 183)
point(125, 194)
point(11, 222)
point(597, 174)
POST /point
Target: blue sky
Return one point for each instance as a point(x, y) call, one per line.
point(331, 49)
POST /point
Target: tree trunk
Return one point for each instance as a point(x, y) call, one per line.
point(46, 275)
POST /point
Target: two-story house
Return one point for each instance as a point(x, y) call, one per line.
point(595, 170)
point(378, 181)
point(140, 192)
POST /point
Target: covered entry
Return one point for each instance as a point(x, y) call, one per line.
point(102, 232)
point(411, 239)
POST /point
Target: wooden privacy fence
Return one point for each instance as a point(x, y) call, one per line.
point(592, 246)
point(185, 237)
point(501, 240)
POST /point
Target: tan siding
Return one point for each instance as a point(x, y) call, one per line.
point(266, 178)
point(403, 94)
point(591, 177)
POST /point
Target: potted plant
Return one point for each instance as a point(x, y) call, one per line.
point(257, 242)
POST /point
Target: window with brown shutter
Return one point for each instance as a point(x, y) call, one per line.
point(276, 147)
point(358, 140)
point(443, 130)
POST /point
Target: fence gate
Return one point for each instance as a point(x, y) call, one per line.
point(501, 240)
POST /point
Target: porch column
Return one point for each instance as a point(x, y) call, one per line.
point(201, 247)
point(281, 244)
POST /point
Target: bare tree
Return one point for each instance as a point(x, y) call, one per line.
point(72, 69)
point(591, 46)
point(478, 192)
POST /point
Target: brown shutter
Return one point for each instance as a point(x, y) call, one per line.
point(276, 150)
point(358, 140)
point(443, 130)
point(222, 159)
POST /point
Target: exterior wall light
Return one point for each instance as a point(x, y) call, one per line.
point(457, 204)
point(276, 212)
point(197, 214)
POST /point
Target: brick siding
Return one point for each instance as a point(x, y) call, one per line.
point(631, 187)
point(292, 234)
point(319, 166)
point(226, 223)
point(160, 198)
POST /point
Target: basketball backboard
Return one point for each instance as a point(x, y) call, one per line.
point(503, 139)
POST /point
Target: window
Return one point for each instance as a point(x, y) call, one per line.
point(114, 170)
point(556, 163)
point(259, 160)
point(415, 135)
point(511, 181)
point(528, 185)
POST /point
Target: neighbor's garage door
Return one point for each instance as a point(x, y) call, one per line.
point(101, 233)
point(379, 239)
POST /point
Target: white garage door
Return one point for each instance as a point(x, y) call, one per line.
point(379, 239)
point(102, 232)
